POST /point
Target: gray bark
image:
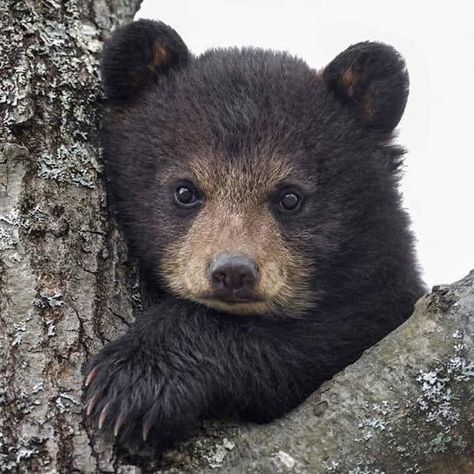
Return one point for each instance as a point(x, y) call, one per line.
point(63, 290)
point(406, 406)
point(66, 289)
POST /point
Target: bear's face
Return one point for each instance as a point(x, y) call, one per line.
point(239, 252)
point(241, 175)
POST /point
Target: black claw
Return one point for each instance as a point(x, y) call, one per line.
point(92, 403)
point(92, 375)
point(103, 415)
point(118, 424)
point(146, 429)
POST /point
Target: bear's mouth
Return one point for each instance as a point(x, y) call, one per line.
point(235, 302)
point(231, 298)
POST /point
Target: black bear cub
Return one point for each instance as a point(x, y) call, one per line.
point(260, 197)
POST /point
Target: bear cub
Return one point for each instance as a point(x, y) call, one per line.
point(261, 200)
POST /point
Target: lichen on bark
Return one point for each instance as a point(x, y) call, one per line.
point(63, 278)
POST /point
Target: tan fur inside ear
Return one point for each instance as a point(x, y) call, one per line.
point(160, 57)
point(350, 79)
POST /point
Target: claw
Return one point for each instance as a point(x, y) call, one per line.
point(103, 415)
point(146, 429)
point(118, 424)
point(92, 402)
point(91, 376)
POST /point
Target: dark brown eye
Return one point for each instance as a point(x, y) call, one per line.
point(186, 195)
point(290, 201)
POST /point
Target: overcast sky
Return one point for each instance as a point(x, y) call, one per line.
point(437, 41)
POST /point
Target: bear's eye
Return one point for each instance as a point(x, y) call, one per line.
point(186, 195)
point(290, 201)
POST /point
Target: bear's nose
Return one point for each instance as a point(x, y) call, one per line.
point(233, 273)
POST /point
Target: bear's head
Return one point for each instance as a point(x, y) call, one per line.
point(248, 181)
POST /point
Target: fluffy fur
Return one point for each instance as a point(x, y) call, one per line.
point(243, 123)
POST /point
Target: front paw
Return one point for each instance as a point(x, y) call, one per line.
point(134, 397)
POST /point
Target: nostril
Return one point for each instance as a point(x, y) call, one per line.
point(233, 272)
point(218, 276)
point(248, 277)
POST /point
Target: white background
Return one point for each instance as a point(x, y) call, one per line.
point(437, 41)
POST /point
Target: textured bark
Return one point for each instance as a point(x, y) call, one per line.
point(66, 289)
point(62, 273)
point(406, 406)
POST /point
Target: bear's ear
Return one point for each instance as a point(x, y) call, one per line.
point(372, 79)
point(137, 55)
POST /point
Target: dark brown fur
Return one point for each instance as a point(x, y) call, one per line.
point(334, 277)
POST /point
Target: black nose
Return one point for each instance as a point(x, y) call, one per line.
point(233, 272)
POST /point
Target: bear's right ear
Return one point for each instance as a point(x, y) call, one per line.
point(137, 55)
point(372, 80)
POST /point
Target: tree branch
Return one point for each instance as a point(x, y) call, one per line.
point(406, 406)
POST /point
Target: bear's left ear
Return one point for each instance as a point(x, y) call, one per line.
point(137, 55)
point(372, 79)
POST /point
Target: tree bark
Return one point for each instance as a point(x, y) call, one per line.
point(66, 289)
point(406, 406)
point(63, 281)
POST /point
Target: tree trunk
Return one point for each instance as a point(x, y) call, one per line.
point(63, 282)
point(65, 289)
